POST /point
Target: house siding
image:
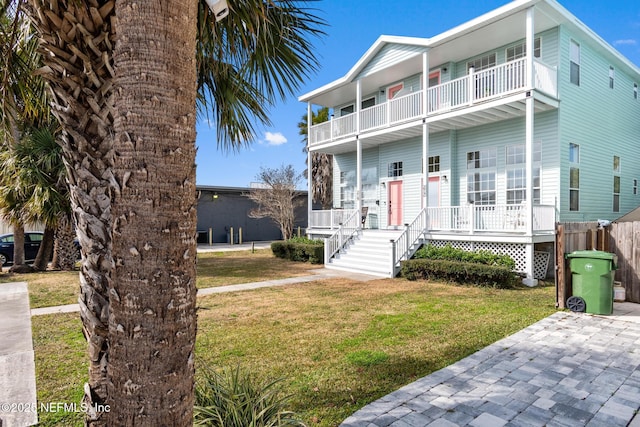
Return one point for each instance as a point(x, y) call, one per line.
point(500, 135)
point(389, 55)
point(604, 122)
point(548, 52)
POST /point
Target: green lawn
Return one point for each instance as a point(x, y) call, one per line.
point(340, 344)
point(214, 269)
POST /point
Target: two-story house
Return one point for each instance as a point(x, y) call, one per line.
point(481, 137)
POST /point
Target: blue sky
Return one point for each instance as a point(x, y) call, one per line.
point(353, 26)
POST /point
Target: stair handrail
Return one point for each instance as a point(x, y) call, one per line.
point(402, 248)
point(345, 232)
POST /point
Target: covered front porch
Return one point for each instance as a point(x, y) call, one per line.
point(498, 220)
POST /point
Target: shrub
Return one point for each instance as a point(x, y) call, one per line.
point(460, 272)
point(450, 253)
point(236, 399)
point(294, 251)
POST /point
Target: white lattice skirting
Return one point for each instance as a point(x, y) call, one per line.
point(517, 251)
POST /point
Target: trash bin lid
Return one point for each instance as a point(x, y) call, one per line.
point(594, 254)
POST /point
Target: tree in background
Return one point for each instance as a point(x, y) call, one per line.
point(321, 163)
point(33, 185)
point(278, 198)
point(22, 104)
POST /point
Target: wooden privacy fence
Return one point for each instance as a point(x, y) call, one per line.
point(622, 239)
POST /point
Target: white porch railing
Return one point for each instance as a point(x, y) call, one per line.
point(345, 232)
point(329, 218)
point(475, 87)
point(545, 78)
point(490, 218)
point(403, 247)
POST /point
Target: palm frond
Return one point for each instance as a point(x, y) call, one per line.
point(260, 53)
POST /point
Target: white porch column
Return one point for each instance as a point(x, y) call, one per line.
point(358, 174)
point(309, 167)
point(358, 147)
point(425, 129)
point(529, 126)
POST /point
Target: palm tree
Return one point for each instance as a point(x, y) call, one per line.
point(22, 103)
point(321, 163)
point(243, 65)
point(41, 175)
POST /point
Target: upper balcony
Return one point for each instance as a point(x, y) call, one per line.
point(493, 94)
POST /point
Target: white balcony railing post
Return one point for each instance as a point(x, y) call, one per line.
point(393, 256)
point(407, 238)
point(472, 85)
point(472, 218)
point(326, 250)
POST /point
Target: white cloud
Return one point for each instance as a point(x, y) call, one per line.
point(627, 42)
point(274, 138)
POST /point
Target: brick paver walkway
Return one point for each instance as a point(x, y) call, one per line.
point(566, 370)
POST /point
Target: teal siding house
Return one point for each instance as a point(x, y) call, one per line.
point(481, 137)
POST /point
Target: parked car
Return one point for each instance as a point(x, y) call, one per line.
point(32, 241)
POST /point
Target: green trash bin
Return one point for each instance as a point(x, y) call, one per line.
point(592, 277)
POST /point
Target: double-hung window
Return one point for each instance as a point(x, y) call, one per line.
point(574, 63)
point(517, 174)
point(347, 189)
point(616, 183)
point(574, 177)
point(481, 177)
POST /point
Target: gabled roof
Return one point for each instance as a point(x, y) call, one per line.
point(632, 216)
point(551, 14)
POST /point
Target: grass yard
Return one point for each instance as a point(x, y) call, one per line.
point(214, 269)
point(340, 344)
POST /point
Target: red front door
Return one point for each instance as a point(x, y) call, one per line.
point(395, 202)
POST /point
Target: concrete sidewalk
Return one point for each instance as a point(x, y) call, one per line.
point(566, 370)
point(319, 274)
point(17, 364)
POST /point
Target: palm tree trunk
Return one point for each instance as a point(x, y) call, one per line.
point(152, 321)
point(18, 244)
point(46, 249)
point(65, 253)
point(77, 40)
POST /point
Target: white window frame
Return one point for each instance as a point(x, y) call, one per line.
point(520, 50)
point(394, 170)
point(434, 164)
point(347, 189)
point(481, 176)
point(516, 182)
point(483, 62)
point(574, 153)
point(574, 191)
point(616, 193)
point(574, 60)
point(612, 76)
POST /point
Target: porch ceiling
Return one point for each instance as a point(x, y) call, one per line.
point(482, 114)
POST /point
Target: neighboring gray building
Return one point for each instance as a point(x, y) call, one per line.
point(221, 208)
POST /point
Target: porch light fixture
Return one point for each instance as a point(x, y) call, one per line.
point(444, 178)
point(215, 196)
point(219, 8)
